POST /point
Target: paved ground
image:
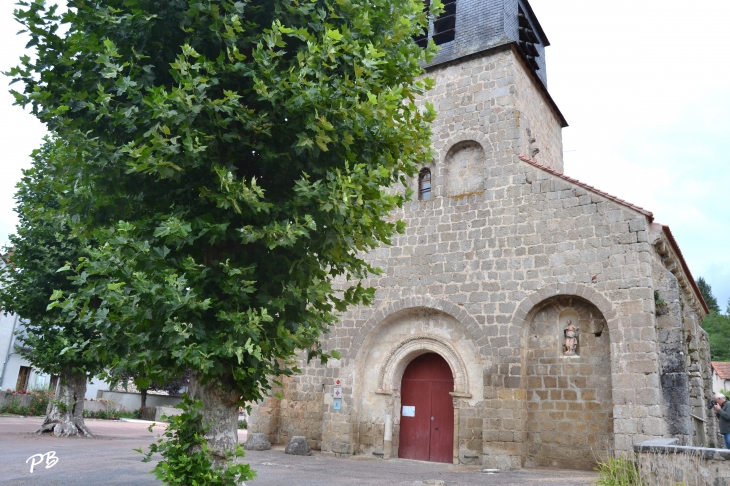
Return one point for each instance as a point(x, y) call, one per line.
point(110, 459)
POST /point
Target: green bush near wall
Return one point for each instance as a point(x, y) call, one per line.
point(24, 402)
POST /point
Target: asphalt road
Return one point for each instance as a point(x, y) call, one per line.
point(110, 460)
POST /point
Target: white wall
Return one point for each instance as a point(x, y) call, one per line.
point(6, 337)
point(11, 361)
point(718, 383)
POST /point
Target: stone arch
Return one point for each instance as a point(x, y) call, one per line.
point(438, 168)
point(569, 397)
point(461, 136)
point(530, 304)
point(407, 350)
point(390, 309)
point(396, 334)
point(465, 169)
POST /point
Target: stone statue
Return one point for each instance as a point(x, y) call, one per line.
point(571, 339)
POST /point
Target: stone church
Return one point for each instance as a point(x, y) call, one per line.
point(524, 318)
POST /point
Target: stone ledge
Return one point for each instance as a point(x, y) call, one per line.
point(670, 445)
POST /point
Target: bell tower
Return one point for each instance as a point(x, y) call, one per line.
point(491, 84)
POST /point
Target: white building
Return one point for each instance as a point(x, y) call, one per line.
point(720, 376)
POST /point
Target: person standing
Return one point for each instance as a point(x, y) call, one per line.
point(722, 410)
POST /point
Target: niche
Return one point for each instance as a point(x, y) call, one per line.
point(465, 168)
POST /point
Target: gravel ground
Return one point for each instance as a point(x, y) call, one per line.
point(110, 459)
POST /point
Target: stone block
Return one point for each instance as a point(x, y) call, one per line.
point(298, 446)
point(257, 442)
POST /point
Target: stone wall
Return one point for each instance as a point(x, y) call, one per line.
point(302, 406)
point(686, 374)
point(474, 267)
point(542, 139)
point(490, 259)
point(569, 405)
point(664, 462)
point(491, 100)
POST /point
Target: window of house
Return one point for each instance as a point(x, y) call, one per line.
point(444, 26)
point(424, 185)
point(23, 378)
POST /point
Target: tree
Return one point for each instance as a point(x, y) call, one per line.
point(706, 291)
point(243, 155)
point(718, 331)
point(42, 245)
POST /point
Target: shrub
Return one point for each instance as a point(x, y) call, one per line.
point(38, 402)
point(185, 455)
point(102, 414)
point(243, 424)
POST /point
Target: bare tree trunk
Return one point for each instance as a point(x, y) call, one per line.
point(143, 392)
point(220, 416)
point(66, 414)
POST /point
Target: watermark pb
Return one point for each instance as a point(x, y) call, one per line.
point(51, 460)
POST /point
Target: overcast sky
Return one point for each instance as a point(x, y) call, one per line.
point(643, 84)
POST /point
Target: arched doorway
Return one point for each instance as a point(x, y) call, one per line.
point(427, 410)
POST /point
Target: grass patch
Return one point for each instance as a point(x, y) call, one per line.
point(619, 471)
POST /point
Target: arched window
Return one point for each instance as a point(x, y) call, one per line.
point(424, 185)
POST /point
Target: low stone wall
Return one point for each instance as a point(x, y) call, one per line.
point(169, 411)
point(7, 396)
point(132, 401)
point(662, 462)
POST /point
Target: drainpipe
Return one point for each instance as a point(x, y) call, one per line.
point(10, 346)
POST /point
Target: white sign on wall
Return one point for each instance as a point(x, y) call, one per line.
point(409, 411)
point(337, 393)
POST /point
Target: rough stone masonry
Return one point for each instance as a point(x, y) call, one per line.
point(502, 253)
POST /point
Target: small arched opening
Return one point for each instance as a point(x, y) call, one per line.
point(424, 185)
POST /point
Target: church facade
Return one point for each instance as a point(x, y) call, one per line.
point(524, 318)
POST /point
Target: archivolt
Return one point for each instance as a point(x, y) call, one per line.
point(404, 352)
point(390, 309)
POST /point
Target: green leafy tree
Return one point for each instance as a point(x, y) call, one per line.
point(246, 155)
point(706, 291)
point(42, 245)
point(718, 331)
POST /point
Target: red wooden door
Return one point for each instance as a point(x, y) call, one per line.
point(429, 434)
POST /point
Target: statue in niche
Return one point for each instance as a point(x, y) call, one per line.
point(571, 339)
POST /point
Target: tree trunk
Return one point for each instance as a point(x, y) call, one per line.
point(66, 415)
point(143, 392)
point(220, 416)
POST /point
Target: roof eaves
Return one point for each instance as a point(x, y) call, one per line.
point(685, 267)
point(722, 368)
point(587, 187)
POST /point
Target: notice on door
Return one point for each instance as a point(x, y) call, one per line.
point(409, 411)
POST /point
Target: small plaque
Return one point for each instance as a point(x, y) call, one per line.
point(409, 411)
point(338, 382)
point(337, 393)
point(337, 404)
